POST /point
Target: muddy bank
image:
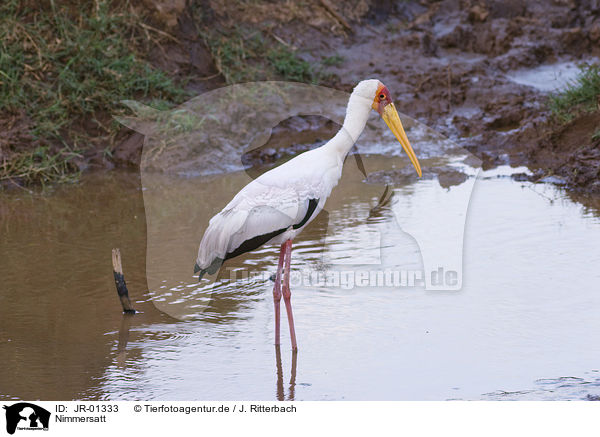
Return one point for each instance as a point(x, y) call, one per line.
point(567, 154)
point(451, 64)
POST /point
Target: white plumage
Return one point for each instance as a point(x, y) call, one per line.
point(279, 204)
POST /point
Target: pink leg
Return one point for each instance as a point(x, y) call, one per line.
point(287, 294)
point(277, 293)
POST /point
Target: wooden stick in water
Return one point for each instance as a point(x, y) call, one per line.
point(120, 282)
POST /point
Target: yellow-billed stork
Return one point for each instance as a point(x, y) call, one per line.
point(278, 205)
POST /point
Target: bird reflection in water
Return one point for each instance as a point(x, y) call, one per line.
point(280, 386)
point(377, 211)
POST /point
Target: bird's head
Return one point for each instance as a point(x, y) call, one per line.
point(377, 93)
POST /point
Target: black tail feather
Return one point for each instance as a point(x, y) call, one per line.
point(211, 269)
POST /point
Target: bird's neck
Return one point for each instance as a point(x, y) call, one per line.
point(357, 114)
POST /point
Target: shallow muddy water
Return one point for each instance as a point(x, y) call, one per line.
point(523, 326)
point(548, 77)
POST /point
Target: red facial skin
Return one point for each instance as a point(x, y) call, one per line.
point(382, 99)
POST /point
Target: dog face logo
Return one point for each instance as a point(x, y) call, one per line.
point(26, 416)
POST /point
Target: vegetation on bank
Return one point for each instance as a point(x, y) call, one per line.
point(242, 55)
point(65, 70)
point(65, 67)
point(583, 95)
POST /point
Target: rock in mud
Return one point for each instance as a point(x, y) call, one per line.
point(451, 177)
point(521, 177)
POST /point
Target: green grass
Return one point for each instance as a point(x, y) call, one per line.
point(40, 166)
point(596, 135)
point(232, 53)
point(333, 61)
point(290, 67)
point(68, 70)
point(244, 55)
point(580, 96)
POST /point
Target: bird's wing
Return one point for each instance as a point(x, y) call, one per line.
point(254, 216)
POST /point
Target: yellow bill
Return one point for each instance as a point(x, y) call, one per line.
point(392, 119)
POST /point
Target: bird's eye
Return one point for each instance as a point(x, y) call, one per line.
point(381, 96)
